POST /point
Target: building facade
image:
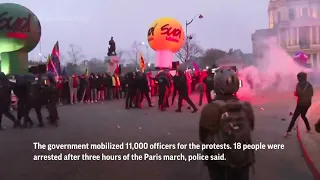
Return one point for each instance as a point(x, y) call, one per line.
point(295, 26)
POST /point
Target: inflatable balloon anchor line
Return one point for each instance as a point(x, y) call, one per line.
point(165, 36)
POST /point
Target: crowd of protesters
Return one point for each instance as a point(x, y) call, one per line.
point(92, 88)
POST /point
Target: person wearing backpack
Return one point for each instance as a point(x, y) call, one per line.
point(227, 121)
point(304, 93)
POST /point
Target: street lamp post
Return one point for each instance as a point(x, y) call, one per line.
point(147, 50)
point(137, 49)
point(40, 48)
point(41, 55)
point(190, 37)
point(85, 63)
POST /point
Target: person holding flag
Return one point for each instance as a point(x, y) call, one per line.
point(86, 72)
point(142, 63)
point(86, 93)
point(51, 68)
point(55, 56)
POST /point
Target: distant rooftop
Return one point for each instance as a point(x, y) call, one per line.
point(265, 32)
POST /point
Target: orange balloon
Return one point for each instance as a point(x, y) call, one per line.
point(166, 34)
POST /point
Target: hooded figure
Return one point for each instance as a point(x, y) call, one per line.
point(304, 93)
point(304, 90)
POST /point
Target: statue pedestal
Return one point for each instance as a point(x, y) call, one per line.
point(112, 63)
point(14, 62)
point(164, 59)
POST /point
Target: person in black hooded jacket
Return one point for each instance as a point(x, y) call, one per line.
point(304, 93)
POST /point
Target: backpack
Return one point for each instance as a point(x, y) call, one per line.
point(34, 90)
point(234, 130)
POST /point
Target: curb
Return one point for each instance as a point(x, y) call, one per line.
point(314, 170)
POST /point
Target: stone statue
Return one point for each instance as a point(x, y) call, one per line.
point(112, 48)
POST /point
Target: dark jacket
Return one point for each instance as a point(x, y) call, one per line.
point(210, 117)
point(144, 86)
point(304, 90)
point(138, 81)
point(37, 95)
point(131, 81)
point(163, 83)
point(183, 85)
point(100, 85)
point(176, 82)
point(208, 81)
point(84, 82)
point(5, 91)
point(123, 82)
point(108, 81)
point(21, 88)
point(93, 82)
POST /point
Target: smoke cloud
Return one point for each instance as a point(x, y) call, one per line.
point(276, 70)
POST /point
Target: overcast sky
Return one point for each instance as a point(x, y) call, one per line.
point(90, 24)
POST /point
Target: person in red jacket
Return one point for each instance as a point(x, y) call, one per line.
point(74, 86)
point(116, 84)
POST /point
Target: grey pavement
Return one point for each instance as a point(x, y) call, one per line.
point(311, 142)
point(110, 122)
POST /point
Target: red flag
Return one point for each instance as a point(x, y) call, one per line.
point(195, 65)
point(55, 57)
point(50, 66)
point(117, 71)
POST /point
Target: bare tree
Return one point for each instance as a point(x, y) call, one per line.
point(133, 53)
point(193, 49)
point(131, 57)
point(75, 54)
point(120, 54)
point(211, 56)
point(63, 59)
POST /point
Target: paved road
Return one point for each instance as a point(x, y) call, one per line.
point(311, 142)
point(110, 122)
